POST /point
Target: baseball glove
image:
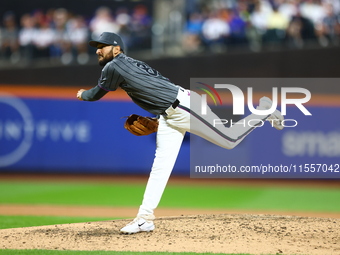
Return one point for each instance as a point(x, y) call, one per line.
point(139, 125)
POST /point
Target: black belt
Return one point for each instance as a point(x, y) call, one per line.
point(175, 104)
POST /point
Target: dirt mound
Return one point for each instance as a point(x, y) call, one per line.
point(222, 233)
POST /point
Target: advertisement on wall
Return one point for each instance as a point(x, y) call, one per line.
point(64, 135)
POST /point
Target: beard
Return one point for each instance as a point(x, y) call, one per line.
point(104, 60)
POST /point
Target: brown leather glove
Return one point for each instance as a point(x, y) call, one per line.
point(139, 125)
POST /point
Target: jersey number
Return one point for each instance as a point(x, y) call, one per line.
point(148, 69)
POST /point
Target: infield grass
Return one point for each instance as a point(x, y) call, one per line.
point(175, 196)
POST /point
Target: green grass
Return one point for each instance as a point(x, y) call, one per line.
point(49, 252)
point(175, 196)
point(70, 193)
point(253, 198)
point(180, 196)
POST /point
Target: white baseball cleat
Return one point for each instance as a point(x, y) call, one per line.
point(265, 103)
point(276, 118)
point(143, 223)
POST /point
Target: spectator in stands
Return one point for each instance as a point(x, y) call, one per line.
point(258, 24)
point(27, 34)
point(300, 31)
point(43, 39)
point(78, 34)
point(192, 33)
point(277, 25)
point(10, 39)
point(123, 19)
point(103, 21)
point(330, 30)
point(314, 11)
point(238, 26)
point(61, 47)
point(140, 27)
point(288, 8)
point(215, 31)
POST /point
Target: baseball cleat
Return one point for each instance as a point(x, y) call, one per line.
point(265, 103)
point(139, 224)
point(276, 118)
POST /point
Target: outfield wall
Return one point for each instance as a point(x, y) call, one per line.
point(49, 130)
point(52, 131)
point(44, 128)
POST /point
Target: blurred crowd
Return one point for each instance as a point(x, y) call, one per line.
point(216, 25)
point(62, 36)
point(209, 25)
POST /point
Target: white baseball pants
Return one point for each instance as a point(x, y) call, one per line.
point(171, 131)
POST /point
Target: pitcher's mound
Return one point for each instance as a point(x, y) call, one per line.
point(223, 233)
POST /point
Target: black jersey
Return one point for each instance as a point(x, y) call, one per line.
point(145, 85)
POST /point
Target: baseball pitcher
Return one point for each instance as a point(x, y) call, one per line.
point(171, 104)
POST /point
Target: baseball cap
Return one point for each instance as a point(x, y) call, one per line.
point(109, 39)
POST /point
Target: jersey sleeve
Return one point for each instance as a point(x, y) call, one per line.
point(93, 94)
point(110, 78)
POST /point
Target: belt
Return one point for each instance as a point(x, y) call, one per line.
point(175, 104)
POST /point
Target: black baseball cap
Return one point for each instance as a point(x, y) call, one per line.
point(109, 39)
